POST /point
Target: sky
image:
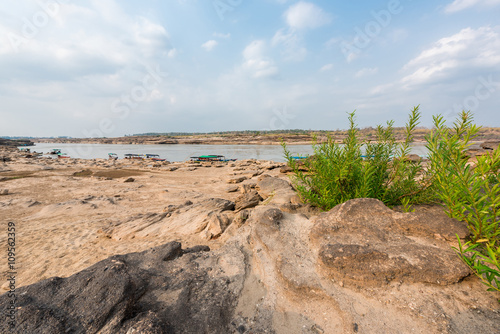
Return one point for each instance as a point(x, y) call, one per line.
point(107, 68)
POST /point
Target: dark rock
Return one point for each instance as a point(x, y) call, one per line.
point(273, 215)
point(490, 145)
point(16, 142)
point(82, 173)
point(247, 200)
point(130, 179)
point(162, 290)
point(196, 249)
point(286, 169)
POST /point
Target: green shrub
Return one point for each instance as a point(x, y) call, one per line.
point(470, 194)
point(339, 172)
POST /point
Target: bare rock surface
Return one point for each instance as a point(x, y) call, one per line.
point(161, 290)
point(247, 200)
point(278, 267)
point(209, 217)
point(365, 243)
point(280, 273)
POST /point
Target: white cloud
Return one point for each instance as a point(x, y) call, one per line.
point(209, 45)
point(256, 63)
point(172, 53)
point(458, 5)
point(470, 50)
point(366, 71)
point(327, 67)
point(223, 36)
point(292, 45)
point(305, 15)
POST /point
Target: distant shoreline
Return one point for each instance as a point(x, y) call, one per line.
point(255, 138)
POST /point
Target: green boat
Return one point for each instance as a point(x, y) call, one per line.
point(211, 158)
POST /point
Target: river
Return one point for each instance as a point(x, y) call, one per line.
point(182, 152)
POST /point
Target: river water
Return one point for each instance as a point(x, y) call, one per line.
point(182, 152)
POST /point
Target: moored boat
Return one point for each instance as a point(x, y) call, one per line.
point(211, 158)
point(134, 156)
point(154, 157)
point(55, 151)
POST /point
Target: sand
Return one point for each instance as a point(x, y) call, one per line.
point(60, 217)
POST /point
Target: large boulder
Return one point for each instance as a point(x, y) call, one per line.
point(162, 290)
point(268, 186)
point(363, 242)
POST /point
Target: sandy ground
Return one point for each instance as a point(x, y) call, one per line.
point(59, 217)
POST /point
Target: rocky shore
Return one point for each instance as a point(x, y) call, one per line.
point(190, 140)
point(126, 246)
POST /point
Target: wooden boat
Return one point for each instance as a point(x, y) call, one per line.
point(112, 156)
point(154, 157)
point(211, 158)
point(63, 156)
point(134, 156)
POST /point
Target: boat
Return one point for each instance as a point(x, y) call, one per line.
point(112, 156)
point(63, 156)
point(211, 158)
point(154, 157)
point(298, 158)
point(55, 151)
point(134, 156)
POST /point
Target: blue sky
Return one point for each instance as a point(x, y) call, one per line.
point(95, 68)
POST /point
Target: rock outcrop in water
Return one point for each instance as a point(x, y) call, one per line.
point(16, 142)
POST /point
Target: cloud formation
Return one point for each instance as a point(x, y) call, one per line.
point(209, 45)
point(476, 50)
point(459, 5)
point(306, 15)
point(256, 63)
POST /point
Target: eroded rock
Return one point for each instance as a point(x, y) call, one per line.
point(161, 290)
point(365, 243)
point(247, 200)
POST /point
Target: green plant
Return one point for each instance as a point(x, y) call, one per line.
point(407, 207)
point(340, 172)
point(469, 193)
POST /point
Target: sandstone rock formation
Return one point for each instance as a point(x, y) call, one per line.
point(162, 290)
point(359, 268)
